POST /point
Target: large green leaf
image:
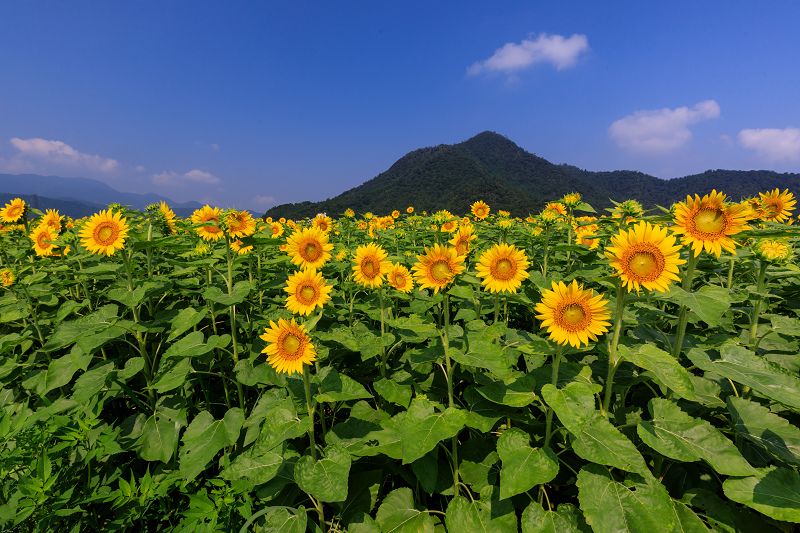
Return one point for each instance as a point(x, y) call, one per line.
point(600, 442)
point(424, 427)
point(256, 470)
point(666, 369)
point(709, 303)
point(513, 392)
point(562, 520)
point(574, 404)
point(206, 436)
point(326, 478)
point(686, 521)
point(760, 425)
point(490, 514)
point(397, 514)
point(280, 423)
point(743, 366)
point(58, 373)
point(335, 387)
point(641, 505)
point(172, 374)
point(773, 491)
point(236, 296)
point(523, 466)
point(191, 345)
point(394, 392)
point(485, 354)
point(681, 437)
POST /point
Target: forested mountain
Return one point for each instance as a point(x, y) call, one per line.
point(492, 168)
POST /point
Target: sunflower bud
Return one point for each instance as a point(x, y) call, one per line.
point(772, 250)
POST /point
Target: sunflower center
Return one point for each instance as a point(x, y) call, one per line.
point(772, 209)
point(307, 294)
point(291, 347)
point(710, 220)
point(646, 265)
point(41, 240)
point(275, 230)
point(399, 280)
point(441, 271)
point(573, 317)
point(15, 211)
point(311, 251)
point(106, 233)
point(503, 269)
point(368, 268)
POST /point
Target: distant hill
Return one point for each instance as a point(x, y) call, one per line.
point(490, 167)
point(72, 196)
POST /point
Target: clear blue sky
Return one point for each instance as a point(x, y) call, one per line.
point(253, 104)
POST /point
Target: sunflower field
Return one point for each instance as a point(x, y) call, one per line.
point(414, 372)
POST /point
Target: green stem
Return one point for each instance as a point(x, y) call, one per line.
point(546, 250)
point(613, 360)
point(548, 433)
point(310, 409)
point(450, 375)
point(730, 273)
point(383, 329)
point(762, 271)
point(496, 306)
point(683, 316)
point(33, 313)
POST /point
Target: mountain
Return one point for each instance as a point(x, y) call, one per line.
point(73, 195)
point(490, 167)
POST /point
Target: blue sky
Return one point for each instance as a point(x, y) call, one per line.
point(253, 104)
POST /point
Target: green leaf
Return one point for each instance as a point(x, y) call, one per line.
point(255, 470)
point(58, 373)
point(741, 365)
point(484, 354)
point(192, 345)
point(280, 423)
point(325, 479)
point(362, 495)
point(206, 436)
point(92, 381)
point(773, 491)
point(758, 424)
point(563, 520)
point(642, 505)
point(423, 428)
point(574, 404)
point(186, 319)
point(426, 470)
point(414, 329)
point(523, 466)
point(366, 438)
point(465, 515)
point(397, 514)
point(394, 392)
point(683, 438)
point(481, 413)
point(666, 369)
point(600, 442)
point(335, 387)
point(686, 521)
point(171, 374)
point(239, 293)
point(158, 439)
point(709, 303)
point(513, 392)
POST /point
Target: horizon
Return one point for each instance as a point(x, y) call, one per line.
point(254, 105)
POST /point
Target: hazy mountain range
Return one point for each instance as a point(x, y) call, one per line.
point(78, 197)
point(490, 167)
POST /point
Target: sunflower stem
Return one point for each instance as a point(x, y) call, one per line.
point(762, 271)
point(546, 249)
point(310, 409)
point(232, 313)
point(33, 313)
point(449, 370)
point(383, 327)
point(730, 273)
point(548, 431)
point(683, 316)
point(496, 307)
point(613, 360)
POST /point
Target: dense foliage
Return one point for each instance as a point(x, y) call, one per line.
point(536, 378)
point(491, 167)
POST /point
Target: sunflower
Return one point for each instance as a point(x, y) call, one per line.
point(450, 226)
point(104, 233)
point(503, 267)
point(12, 211)
point(370, 265)
point(276, 229)
point(6, 277)
point(40, 236)
point(776, 205)
point(400, 278)
point(237, 247)
point(409, 210)
point(322, 222)
point(240, 224)
point(480, 210)
point(307, 291)
point(437, 267)
point(204, 215)
point(309, 247)
point(586, 235)
point(645, 256)
point(168, 216)
point(462, 238)
point(288, 346)
point(572, 200)
point(349, 213)
point(771, 250)
point(556, 207)
point(52, 220)
point(573, 315)
point(709, 222)
point(395, 214)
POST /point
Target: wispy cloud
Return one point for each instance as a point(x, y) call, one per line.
point(193, 176)
point(660, 131)
point(772, 144)
point(264, 200)
point(557, 50)
point(41, 156)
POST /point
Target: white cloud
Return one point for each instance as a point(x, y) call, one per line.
point(772, 144)
point(140, 168)
point(555, 49)
point(264, 200)
point(42, 156)
point(660, 131)
point(193, 176)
